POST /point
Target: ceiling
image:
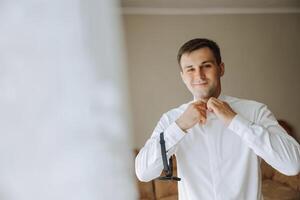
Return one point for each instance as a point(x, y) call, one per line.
point(209, 3)
point(292, 6)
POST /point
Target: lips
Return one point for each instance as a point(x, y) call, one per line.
point(200, 83)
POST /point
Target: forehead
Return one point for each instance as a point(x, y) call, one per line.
point(197, 57)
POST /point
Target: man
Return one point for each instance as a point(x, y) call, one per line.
point(218, 140)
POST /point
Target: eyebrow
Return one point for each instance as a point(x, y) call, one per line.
point(208, 61)
point(205, 62)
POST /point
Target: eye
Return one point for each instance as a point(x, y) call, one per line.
point(190, 69)
point(207, 65)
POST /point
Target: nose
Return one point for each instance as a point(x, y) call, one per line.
point(200, 72)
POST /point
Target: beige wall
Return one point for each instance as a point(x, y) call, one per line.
point(261, 55)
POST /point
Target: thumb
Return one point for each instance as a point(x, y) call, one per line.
point(210, 107)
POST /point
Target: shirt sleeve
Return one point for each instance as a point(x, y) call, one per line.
point(148, 163)
point(269, 141)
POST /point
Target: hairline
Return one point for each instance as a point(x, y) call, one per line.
point(189, 52)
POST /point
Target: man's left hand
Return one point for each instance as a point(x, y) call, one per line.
point(223, 111)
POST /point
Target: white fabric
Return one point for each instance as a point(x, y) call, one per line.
point(63, 102)
point(217, 162)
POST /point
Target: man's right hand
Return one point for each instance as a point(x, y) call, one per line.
point(195, 113)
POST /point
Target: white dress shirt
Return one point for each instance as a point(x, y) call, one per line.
point(216, 162)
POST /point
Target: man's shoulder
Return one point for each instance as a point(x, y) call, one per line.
point(243, 102)
point(245, 107)
point(175, 112)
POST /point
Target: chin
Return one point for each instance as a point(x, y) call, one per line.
point(202, 95)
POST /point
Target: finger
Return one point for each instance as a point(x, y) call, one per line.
point(210, 110)
point(202, 119)
point(212, 105)
point(202, 116)
point(199, 102)
point(217, 101)
point(201, 122)
point(202, 113)
point(201, 107)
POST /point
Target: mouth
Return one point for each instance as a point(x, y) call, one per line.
point(200, 83)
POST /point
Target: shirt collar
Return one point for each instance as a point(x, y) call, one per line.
point(211, 115)
point(222, 97)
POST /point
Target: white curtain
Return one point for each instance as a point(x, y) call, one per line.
point(64, 131)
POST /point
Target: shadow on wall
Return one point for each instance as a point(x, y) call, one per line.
point(289, 129)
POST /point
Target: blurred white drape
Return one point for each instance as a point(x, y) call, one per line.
point(63, 107)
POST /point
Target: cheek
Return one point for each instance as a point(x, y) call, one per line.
point(186, 79)
point(214, 75)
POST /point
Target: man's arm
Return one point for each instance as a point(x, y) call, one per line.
point(264, 136)
point(269, 141)
point(148, 163)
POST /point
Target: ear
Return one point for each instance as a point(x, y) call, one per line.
point(181, 74)
point(222, 69)
point(182, 77)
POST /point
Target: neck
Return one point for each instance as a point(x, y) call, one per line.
point(201, 99)
point(205, 99)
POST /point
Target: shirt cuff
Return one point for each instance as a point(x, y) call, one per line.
point(173, 134)
point(239, 125)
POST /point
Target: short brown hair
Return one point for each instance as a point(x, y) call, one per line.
point(199, 43)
